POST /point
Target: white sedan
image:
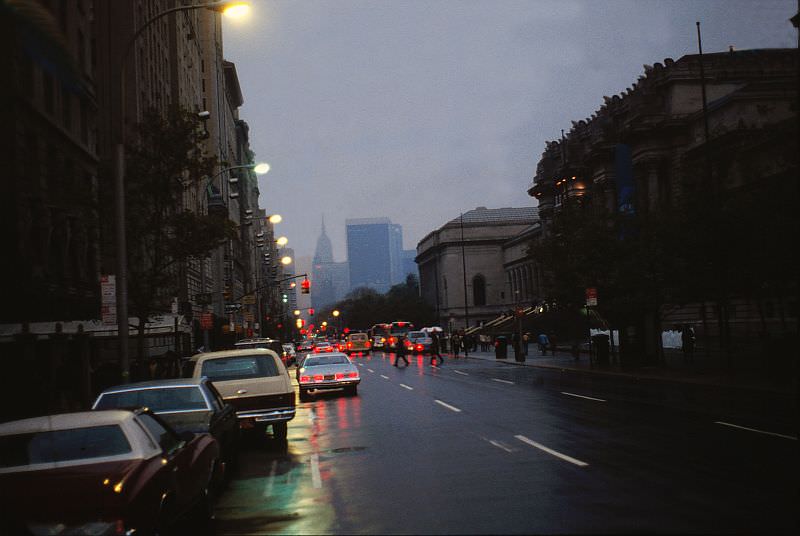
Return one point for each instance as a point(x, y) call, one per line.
point(327, 371)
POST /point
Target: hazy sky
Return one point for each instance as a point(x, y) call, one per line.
point(419, 110)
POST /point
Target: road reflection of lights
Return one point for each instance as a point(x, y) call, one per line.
point(341, 410)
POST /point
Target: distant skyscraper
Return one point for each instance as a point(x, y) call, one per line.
point(409, 266)
point(374, 252)
point(323, 291)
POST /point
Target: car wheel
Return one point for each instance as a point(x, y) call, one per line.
point(280, 430)
point(352, 390)
point(304, 397)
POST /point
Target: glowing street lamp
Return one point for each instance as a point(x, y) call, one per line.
point(275, 218)
point(287, 260)
point(282, 241)
point(261, 169)
point(335, 313)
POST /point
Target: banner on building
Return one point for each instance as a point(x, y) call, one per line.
point(108, 299)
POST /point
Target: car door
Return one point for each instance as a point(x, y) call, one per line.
point(224, 425)
point(186, 483)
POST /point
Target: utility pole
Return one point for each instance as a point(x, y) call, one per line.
point(464, 274)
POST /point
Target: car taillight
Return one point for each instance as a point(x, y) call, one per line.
point(392, 340)
point(352, 374)
point(305, 378)
point(349, 344)
point(419, 347)
point(339, 376)
point(318, 377)
point(367, 345)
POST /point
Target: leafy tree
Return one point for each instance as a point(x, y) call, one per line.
point(162, 235)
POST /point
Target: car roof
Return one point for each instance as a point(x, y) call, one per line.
point(154, 384)
point(232, 353)
point(66, 421)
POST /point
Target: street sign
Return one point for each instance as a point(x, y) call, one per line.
point(206, 321)
point(249, 299)
point(591, 297)
point(249, 317)
point(108, 299)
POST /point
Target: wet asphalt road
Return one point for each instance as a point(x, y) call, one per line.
point(482, 447)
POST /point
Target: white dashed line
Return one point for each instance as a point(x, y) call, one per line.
point(406, 387)
point(462, 373)
point(361, 364)
point(755, 430)
point(501, 446)
point(369, 369)
point(384, 377)
point(315, 476)
point(502, 381)
point(582, 396)
point(448, 406)
point(555, 453)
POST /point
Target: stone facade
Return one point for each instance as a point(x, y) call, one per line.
point(487, 259)
point(647, 149)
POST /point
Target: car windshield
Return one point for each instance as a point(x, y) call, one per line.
point(416, 335)
point(358, 337)
point(239, 368)
point(63, 445)
point(323, 344)
point(160, 400)
point(326, 360)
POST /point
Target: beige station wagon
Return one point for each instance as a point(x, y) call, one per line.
point(255, 382)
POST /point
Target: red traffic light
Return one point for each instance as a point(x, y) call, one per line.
point(311, 312)
point(346, 330)
point(305, 286)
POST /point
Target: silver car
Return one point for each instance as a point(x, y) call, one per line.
point(327, 371)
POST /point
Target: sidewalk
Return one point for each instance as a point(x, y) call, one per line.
point(672, 371)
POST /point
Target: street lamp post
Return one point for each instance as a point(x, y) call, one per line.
point(119, 182)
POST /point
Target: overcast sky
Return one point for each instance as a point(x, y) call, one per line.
point(419, 110)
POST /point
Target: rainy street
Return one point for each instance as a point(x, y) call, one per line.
point(481, 447)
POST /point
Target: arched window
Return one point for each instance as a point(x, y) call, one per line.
point(479, 290)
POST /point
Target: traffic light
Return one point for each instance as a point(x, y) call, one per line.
point(311, 312)
point(305, 286)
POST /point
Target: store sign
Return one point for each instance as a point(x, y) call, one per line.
point(591, 297)
point(108, 299)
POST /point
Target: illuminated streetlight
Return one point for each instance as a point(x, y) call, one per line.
point(275, 218)
point(297, 312)
point(235, 10)
point(335, 312)
point(261, 168)
point(286, 260)
point(282, 241)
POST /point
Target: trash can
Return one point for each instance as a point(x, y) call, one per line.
point(501, 347)
point(600, 345)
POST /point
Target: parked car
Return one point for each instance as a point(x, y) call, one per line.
point(327, 371)
point(357, 342)
point(270, 344)
point(104, 472)
point(255, 382)
point(420, 342)
point(190, 404)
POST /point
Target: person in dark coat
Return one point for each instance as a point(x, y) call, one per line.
point(687, 344)
point(455, 344)
point(515, 342)
point(435, 348)
point(400, 351)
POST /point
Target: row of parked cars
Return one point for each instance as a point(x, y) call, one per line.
point(149, 456)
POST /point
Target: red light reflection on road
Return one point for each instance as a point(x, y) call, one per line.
point(341, 410)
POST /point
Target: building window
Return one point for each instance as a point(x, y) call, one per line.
point(478, 290)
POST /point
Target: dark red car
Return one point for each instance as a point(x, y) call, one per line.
point(103, 472)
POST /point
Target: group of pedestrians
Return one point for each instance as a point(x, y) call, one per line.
point(436, 354)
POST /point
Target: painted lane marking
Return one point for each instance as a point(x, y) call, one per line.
point(462, 373)
point(271, 479)
point(406, 387)
point(361, 364)
point(502, 381)
point(384, 377)
point(755, 430)
point(316, 479)
point(582, 396)
point(448, 406)
point(500, 445)
point(369, 369)
point(555, 453)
